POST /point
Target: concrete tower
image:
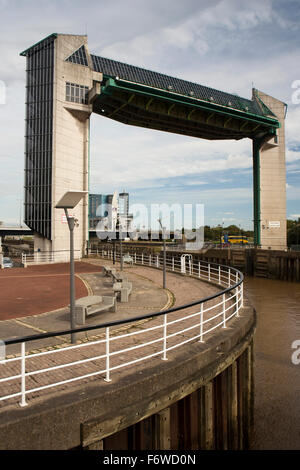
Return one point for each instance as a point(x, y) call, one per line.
point(57, 138)
point(270, 181)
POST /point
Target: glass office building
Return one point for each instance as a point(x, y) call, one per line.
point(100, 208)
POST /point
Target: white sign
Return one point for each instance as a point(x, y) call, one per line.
point(274, 224)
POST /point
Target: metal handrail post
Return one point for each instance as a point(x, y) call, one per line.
point(164, 358)
point(201, 323)
point(23, 376)
point(107, 378)
point(224, 311)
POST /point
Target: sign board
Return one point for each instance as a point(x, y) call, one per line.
point(274, 224)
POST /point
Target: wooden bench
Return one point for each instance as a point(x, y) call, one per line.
point(124, 289)
point(93, 304)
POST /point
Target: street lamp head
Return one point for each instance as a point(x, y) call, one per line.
point(70, 199)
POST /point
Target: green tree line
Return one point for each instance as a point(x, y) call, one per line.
point(215, 233)
point(293, 232)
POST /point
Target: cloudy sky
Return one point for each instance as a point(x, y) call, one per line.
point(230, 45)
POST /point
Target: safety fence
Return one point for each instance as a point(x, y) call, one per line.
point(182, 263)
point(48, 257)
point(155, 335)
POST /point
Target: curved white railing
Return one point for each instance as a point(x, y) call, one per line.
point(28, 374)
point(48, 257)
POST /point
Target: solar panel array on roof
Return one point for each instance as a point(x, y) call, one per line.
point(164, 82)
point(79, 57)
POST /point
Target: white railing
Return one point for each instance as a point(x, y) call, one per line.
point(204, 270)
point(48, 257)
point(28, 374)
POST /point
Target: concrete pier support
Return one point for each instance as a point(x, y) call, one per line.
point(269, 181)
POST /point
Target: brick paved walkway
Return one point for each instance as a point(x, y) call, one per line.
point(183, 289)
point(37, 289)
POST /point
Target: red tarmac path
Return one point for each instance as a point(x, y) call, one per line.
point(39, 289)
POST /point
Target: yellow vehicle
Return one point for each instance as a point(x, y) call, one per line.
point(235, 239)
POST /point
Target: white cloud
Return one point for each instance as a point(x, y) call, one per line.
point(292, 155)
point(142, 156)
point(293, 193)
point(195, 183)
point(292, 126)
point(216, 43)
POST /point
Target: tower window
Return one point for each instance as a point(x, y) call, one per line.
point(76, 93)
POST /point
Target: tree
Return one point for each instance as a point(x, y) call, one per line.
point(215, 233)
point(293, 232)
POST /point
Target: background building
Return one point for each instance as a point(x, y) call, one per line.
point(125, 219)
point(107, 212)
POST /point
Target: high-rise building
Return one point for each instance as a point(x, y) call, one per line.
point(103, 212)
point(109, 212)
point(125, 219)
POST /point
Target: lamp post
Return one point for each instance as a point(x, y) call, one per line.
point(69, 201)
point(121, 247)
point(163, 231)
point(119, 229)
point(114, 251)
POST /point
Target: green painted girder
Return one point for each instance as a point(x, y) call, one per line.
point(122, 105)
point(201, 123)
point(187, 108)
point(174, 125)
point(256, 191)
point(162, 122)
point(141, 118)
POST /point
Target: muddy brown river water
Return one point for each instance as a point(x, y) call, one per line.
point(277, 378)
